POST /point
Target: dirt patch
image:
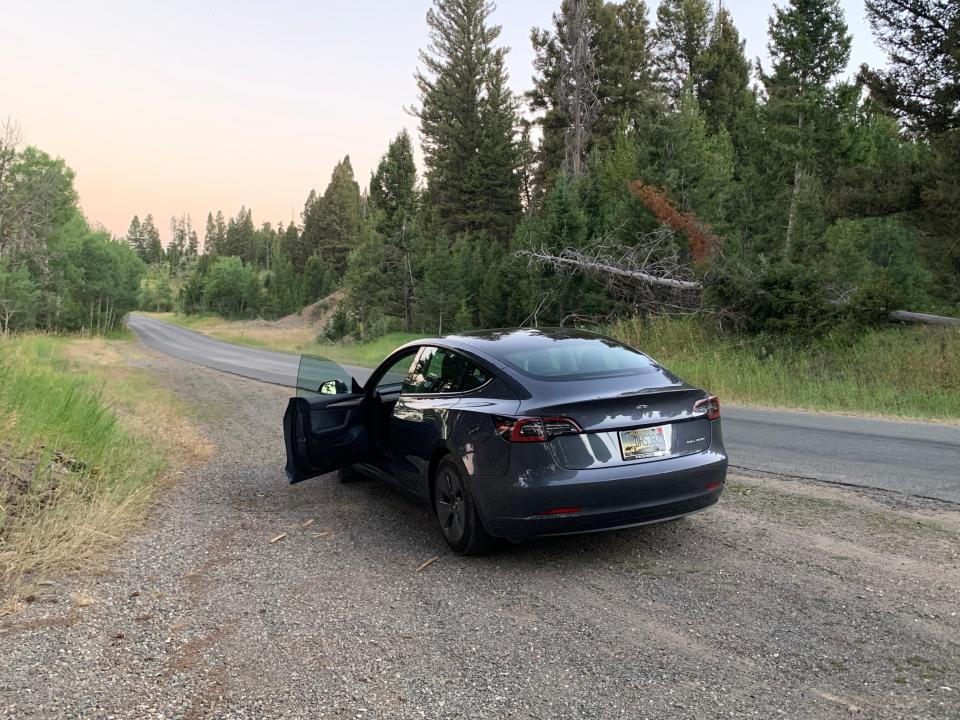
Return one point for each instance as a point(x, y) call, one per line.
point(316, 315)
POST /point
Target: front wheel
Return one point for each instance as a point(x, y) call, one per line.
point(457, 512)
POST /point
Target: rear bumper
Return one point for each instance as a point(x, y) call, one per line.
point(608, 498)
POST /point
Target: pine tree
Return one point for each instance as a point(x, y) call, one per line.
point(618, 49)
point(682, 37)
point(210, 236)
point(151, 239)
point(462, 84)
point(695, 167)
point(135, 238)
point(239, 240)
point(809, 46)
point(393, 190)
point(629, 78)
point(394, 201)
point(180, 230)
point(335, 218)
point(922, 83)
point(726, 74)
point(497, 182)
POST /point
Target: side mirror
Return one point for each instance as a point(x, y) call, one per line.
point(334, 387)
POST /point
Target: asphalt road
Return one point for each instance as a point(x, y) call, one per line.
point(920, 459)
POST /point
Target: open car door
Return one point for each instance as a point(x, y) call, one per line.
point(325, 425)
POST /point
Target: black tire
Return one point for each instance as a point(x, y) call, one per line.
point(349, 475)
point(457, 512)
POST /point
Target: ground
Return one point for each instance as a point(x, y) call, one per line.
point(786, 599)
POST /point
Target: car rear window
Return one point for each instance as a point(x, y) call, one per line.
point(579, 359)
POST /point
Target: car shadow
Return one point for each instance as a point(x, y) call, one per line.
point(385, 516)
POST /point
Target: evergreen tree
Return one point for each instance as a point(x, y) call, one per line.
point(694, 166)
point(135, 238)
point(293, 246)
point(239, 240)
point(193, 243)
point(319, 279)
point(726, 75)
point(335, 218)
point(393, 190)
point(922, 82)
point(180, 230)
point(496, 183)
point(682, 38)
point(210, 236)
point(619, 44)
point(151, 238)
point(809, 46)
point(466, 120)
point(629, 79)
point(394, 202)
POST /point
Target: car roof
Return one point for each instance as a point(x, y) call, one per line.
point(499, 342)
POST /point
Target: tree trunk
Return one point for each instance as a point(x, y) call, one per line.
point(795, 195)
point(794, 202)
point(585, 264)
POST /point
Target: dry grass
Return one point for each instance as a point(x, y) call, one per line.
point(86, 442)
point(143, 409)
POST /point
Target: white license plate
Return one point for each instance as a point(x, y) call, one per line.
point(643, 443)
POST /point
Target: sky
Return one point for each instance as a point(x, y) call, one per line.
point(191, 106)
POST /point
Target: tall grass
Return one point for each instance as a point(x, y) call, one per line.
point(73, 472)
point(899, 371)
point(911, 372)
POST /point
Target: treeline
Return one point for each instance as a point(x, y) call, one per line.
point(652, 168)
point(56, 272)
point(657, 170)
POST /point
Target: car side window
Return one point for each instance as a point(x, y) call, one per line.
point(438, 370)
point(393, 379)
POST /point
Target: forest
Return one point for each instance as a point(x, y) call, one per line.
point(652, 170)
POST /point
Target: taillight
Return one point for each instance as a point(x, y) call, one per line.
point(534, 429)
point(709, 406)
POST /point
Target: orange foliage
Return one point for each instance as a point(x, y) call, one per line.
point(703, 242)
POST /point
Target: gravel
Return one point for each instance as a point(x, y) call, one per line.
point(786, 600)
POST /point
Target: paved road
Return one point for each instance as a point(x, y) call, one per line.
point(920, 459)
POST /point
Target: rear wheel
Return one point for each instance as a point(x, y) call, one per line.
point(457, 512)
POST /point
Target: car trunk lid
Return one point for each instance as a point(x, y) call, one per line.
point(603, 415)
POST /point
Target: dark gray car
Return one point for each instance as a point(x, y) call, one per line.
point(515, 433)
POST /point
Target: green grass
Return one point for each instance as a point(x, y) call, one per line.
point(911, 372)
point(898, 371)
point(73, 471)
point(364, 354)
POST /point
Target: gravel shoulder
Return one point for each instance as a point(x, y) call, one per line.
point(787, 599)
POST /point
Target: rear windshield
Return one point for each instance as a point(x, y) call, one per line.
point(579, 359)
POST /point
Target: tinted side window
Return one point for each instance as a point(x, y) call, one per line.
point(393, 379)
point(442, 371)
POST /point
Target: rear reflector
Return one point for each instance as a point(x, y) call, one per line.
point(713, 485)
point(708, 406)
point(561, 511)
point(534, 429)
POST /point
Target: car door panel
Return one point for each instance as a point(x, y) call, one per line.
point(323, 434)
point(418, 426)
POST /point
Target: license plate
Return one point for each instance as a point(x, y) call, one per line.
point(643, 443)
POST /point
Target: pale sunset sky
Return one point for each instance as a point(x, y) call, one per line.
point(184, 107)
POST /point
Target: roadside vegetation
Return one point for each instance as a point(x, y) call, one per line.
point(777, 214)
point(85, 440)
point(910, 372)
